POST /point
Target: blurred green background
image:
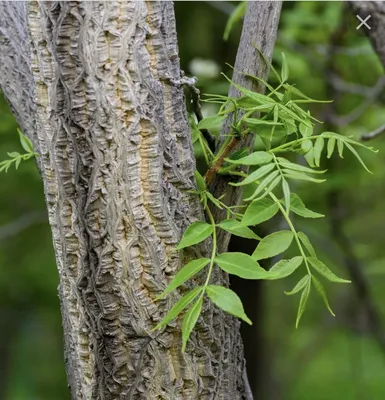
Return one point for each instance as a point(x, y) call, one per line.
point(326, 358)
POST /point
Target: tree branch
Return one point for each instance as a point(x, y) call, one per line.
point(373, 134)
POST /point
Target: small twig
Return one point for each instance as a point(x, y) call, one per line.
point(212, 171)
point(373, 134)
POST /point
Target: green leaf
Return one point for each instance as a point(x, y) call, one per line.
point(201, 184)
point(331, 146)
point(227, 300)
point(318, 147)
point(298, 207)
point(340, 147)
point(241, 265)
point(259, 211)
point(214, 122)
point(179, 306)
point(306, 130)
point(268, 183)
point(256, 158)
point(321, 291)
point(25, 142)
point(300, 285)
point(234, 18)
point(255, 123)
point(306, 242)
point(189, 321)
point(285, 69)
point(14, 154)
point(195, 233)
point(195, 134)
point(254, 176)
point(307, 146)
point(323, 270)
point(286, 194)
point(235, 228)
point(273, 244)
point(257, 97)
point(297, 167)
point(299, 176)
point(284, 268)
point(351, 148)
point(303, 301)
point(185, 273)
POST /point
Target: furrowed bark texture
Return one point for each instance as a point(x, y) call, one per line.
point(94, 85)
point(259, 33)
point(376, 9)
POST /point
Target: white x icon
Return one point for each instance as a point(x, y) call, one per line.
point(363, 22)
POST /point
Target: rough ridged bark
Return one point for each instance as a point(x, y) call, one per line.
point(95, 86)
point(376, 9)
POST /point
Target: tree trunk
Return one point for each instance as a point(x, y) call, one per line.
point(96, 87)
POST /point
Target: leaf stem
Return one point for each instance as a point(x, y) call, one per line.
point(292, 228)
point(214, 249)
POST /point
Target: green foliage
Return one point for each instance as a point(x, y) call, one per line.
point(15, 157)
point(234, 18)
point(286, 131)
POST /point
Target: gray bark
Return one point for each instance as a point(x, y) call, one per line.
point(258, 35)
point(95, 87)
point(376, 9)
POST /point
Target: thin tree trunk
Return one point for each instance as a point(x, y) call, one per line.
point(95, 85)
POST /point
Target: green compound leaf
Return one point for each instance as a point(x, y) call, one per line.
point(179, 306)
point(227, 300)
point(298, 207)
point(323, 270)
point(241, 265)
point(235, 228)
point(321, 291)
point(213, 122)
point(259, 211)
point(256, 158)
point(284, 268)
point(195, 233)
point(299, 286)
point(25, 142)
point(306, 242)
point(302, 302)
point(185, 273)
point(258, 174)
point(189, 321)
point(273, 244)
